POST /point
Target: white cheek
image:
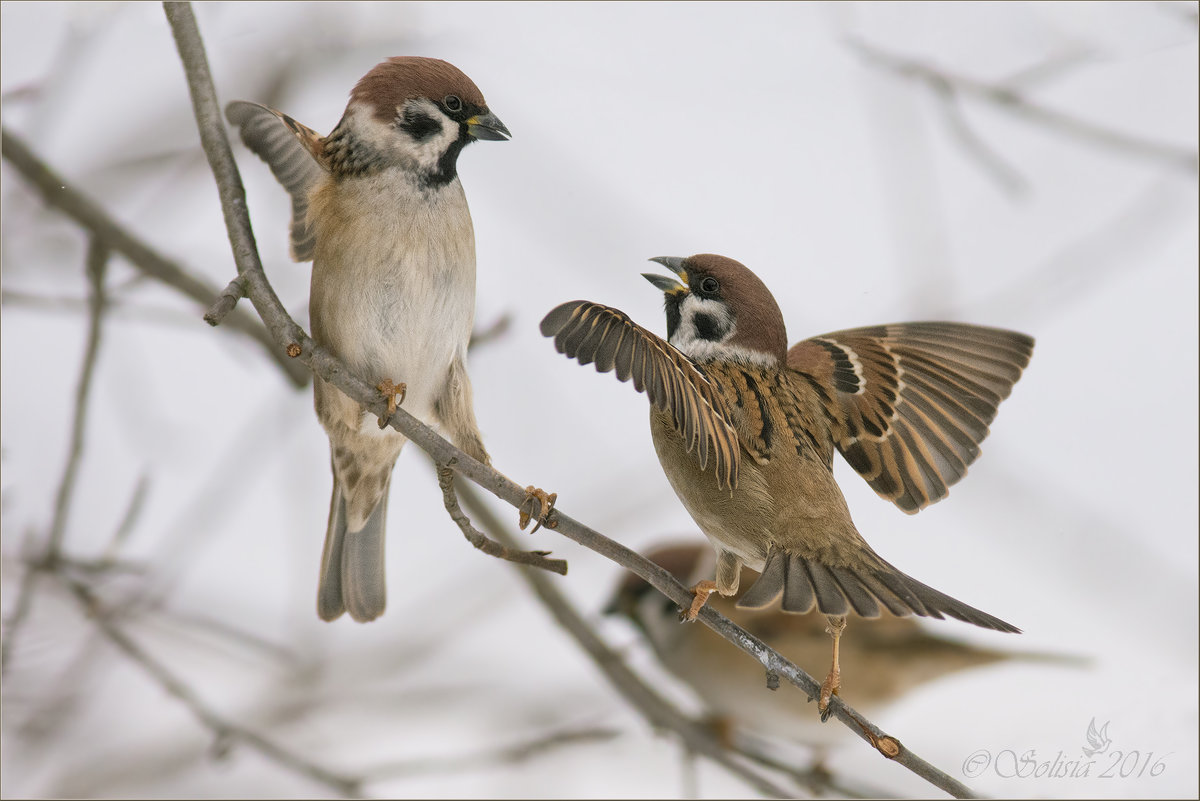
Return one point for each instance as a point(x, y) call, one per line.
point(685, 337)
point(686, 340)
point(426, 153)
point(398, 145)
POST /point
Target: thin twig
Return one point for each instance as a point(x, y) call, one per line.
point(482, 541)
point(1050, 69)
point(58, 192)
point(631, 686)
point(659, 713)
point(129, 519)
point(119, 310)
point(1013, 101)
point(233, 292)
point(817, 779)
point(1008, 177)
point(485, 336)
point(224, 732)
point(97, 265)
point(289, 335)
point(505, 755)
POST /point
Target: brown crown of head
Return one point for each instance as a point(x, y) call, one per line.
point(395, 81)
point(760, 325)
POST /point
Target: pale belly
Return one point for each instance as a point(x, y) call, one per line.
point(393, 295)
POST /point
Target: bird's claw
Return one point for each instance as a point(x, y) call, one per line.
point(390, 391)
point(829, 688)
point(700, 593)
point(545, 502)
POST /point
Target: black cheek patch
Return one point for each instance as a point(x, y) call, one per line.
point(419, 125)
point(707, 327)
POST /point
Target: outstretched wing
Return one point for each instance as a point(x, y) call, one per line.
point(295, 155)
point(590, 332)
point(910, 402)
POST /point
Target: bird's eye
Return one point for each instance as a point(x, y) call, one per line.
point(453, 103)
point(710, 285)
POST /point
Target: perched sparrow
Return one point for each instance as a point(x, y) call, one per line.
point(745, 431)
point(378, 208)
point(885, 659)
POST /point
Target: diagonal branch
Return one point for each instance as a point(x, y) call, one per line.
point(1014, 102)
point(58, 193)
point(288, 335)
point(654, 708)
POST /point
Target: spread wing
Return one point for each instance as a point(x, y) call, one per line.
point(590, 333)
point(910, 402)
point(294, 154)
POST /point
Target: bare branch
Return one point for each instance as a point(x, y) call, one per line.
point(22, 606)
point(1050, 69)
point(1013, 101)
point(657, 711)
point(1007, 176)
point(509, 754)
point(817, 779)
point(481, 541)
point(57, 192)
point(485, 336)
point(97, 265)
point(235, 291)
point(117, 309)
point(132, 512)
point(289, 335)
point(225, 733)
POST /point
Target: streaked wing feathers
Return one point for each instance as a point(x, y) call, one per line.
point(911, 402)
point(294, 154)
point(590, 332)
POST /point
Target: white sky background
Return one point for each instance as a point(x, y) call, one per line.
point(638, 130)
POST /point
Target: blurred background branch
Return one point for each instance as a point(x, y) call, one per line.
point(695, 737)
point(57, 192)
point(951, 85)
point(51, 551)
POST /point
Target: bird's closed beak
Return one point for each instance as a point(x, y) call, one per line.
point(669, 285)
point(488, 126)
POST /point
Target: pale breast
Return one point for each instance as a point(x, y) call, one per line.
point(393, 285)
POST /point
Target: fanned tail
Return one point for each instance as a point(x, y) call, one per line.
point(803, 583)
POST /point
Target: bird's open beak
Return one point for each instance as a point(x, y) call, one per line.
point(488, 126)
point(669, 285)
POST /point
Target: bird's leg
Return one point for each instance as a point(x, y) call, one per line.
point(390, 391)
point(729, 570)
point(545, 502)
point(829, 687)
point(700, 592)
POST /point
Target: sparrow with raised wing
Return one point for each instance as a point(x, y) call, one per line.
point(746, 430)
point(378, 208)
point(885, 659)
